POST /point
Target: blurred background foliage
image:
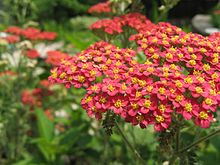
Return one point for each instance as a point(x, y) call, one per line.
point(71, 15)
point(20, 11)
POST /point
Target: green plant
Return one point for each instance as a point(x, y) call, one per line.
point(216, 15)
point(22, 11)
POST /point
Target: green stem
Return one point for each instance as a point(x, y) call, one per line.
point(135, 152)
point(172, 160)
point(176, 150)
point(177, 140)
point(199, 141)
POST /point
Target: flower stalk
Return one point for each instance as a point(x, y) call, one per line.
point(134, 151)
point(205, 138)
point(185, 149)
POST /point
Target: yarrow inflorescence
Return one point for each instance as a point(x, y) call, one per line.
point(16, 35)
point(180, 76)
point(30, 33)
point(34, 98)
point(104, 7)
point(116, 25)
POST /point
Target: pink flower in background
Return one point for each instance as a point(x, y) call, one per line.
point(104, 7)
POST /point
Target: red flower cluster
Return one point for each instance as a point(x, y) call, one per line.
point(32, 53)
point(8, 73)
point(116, 25)
point(12, 39)
point(189, 74)
point(108, 26)
point(49, 114)
point(55, 57)
point(31, 33)
point(215, 37)
point(83, 69)
point(104, 7)
point(34, 98)
point(14, 30)
point(180, 76)
point(44, 83)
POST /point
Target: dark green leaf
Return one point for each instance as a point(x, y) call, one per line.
point(45, 126)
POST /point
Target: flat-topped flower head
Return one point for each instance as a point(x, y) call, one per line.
point(116, 25)
point(179, 77)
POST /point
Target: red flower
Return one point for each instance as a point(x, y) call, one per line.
point(14, 30)
point(46, 36)
point(30, 33)
point(162, 121)
point(100, 8)
point(180, 76)
point(49, 114)
point(12, 39)
point(45, 83)
point(88, 103)
point(8, 73)
point(188, 109)
point(117, 24)
point(32, 53)
point(27, 98)
point(55, 57)
point(118, 103)
point(203, 118)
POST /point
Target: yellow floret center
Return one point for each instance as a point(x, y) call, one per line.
point(161, 90)
point(203, 115)
point(118, 103)
point(134, 105)
point(188, 107)
point(199, 90)
point(159, 118)
point(81, 79)
point(110, 88)
point(147, 103)
point(208, 101)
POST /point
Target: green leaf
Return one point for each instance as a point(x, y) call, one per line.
point(70, 137)
point(28, 160)
point(48, 149)
point(216, 142)
point(85, 140)
point(45, 126)
point(154, 11)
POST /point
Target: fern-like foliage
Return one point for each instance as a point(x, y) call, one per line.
point(109, 122)
point(189, 158)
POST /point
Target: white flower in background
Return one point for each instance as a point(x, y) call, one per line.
point(25, 44)
point(91, 132)
point(43, 48)
point(74, 106)
point(3, 34)
point(31, 63)
point(166, 163)
point(13, 59)
point(61, 113)
point(38, 71)
point(3, 62)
